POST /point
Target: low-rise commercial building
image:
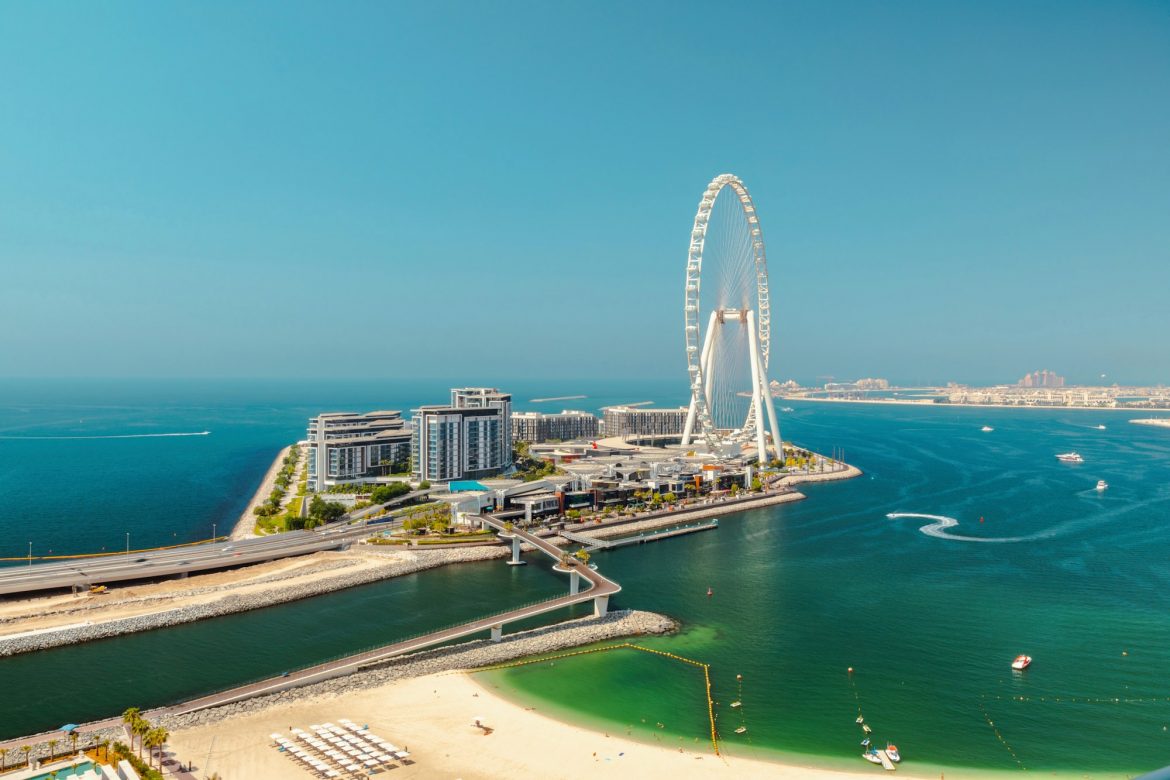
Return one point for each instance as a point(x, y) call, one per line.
point(345, 446)
point(568, 425)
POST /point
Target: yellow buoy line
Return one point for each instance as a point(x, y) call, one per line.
point(1002, 741)
point(630, 646)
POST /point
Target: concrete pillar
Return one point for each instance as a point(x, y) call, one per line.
point(528, 514)
point(497, 632)
point(574, 583)
point(516, 553)
point(601, 606)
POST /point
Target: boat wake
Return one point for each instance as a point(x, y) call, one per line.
point(941, 523)
point(111, 436)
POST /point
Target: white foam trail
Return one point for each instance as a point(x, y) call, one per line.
point(941, 523)
point(112, 436)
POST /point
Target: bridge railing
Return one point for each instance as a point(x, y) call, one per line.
point(583, 596)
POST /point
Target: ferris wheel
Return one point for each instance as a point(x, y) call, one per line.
point(728, 322)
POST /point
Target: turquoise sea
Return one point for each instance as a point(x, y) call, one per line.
point(802, 592)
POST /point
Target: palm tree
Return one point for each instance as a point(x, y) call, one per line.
point(157, 738)
point(128, 717)
point(26, 750)
point(73, 736)
point(53, 748)
point(140, 727)
point(3, 758)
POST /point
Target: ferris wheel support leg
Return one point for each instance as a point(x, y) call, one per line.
point(757, 381)
point(708, 362)
point(770, 405)
point(704, 373)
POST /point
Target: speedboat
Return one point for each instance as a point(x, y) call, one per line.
point(1100, 427)
point(1022, 662)
point(735, 704)
point(786, 409)
point(987, 429)
point(1070, 457)
point(741, 729)
point(1102, 484)
point(871, 756)
point(892, 752)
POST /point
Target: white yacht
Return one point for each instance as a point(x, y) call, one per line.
point(1102, 485)
point(1070, 457)
point(987, 429)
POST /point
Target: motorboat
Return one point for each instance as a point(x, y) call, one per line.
point(741, 729)
point(987, 429)
point(786, 409)
point(1102, 485)
point(892, 753)
point(1070, 457)
point(865, 727)
point(736, 704)
point(1100, 427)
point(1022, 662)
point(871, 756)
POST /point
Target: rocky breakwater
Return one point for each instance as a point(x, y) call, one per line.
point(467, 656)
point(387, 564)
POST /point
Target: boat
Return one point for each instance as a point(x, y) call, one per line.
point(987, 429)
point(1070, 457)
point(871, 756)
point(1102, 484)
point(1022, 662)
point(1100, 427)
point(865, 742)
point(892, 752)
point(865, 727)
point(735, 704)
point(741, 729)
point(786, 409)
point(859, 718)
point(710, 592)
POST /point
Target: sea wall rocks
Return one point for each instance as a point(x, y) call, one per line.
point(397, 564)
point(469, 655)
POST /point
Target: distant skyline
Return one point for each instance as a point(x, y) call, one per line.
point(948, 191)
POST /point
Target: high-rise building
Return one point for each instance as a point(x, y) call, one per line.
point(564, 426)
point(345, 446)
point(468, 439)
point(1043, 378)
point(635, 421)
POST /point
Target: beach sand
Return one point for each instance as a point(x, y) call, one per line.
point(434, 718)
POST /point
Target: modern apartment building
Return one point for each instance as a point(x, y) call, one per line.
point(564, 426)
point(468, 439)
point(345, 446)
point(634, 421)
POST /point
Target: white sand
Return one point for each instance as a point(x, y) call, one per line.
point(433, 717)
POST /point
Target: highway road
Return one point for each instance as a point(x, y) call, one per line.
point(84, 572)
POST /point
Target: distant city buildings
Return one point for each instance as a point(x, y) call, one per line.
point(564, 426)
point(344, 446)
point(470, 438)
point(1043, 378)
point(634, 421)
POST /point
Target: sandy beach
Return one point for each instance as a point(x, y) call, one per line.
point(434, 718)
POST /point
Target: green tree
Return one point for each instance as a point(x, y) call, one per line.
point(131, 716)
point(53, 748)
point(424, 485)
point(324, 511)
point(669, 498)
point(3, 759)
point(757, 486)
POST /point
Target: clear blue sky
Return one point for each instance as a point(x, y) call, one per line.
point(948, 190)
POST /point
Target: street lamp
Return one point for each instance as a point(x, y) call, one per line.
point(213, 532)
point(127, 544)
point(30, 553)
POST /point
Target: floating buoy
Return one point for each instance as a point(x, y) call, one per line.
point(710, 592)
point(981, 519)
point(850, 670)
point(739, 677)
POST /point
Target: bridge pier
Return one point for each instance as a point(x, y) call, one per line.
point(497, 632)
point(574, 583)
point(516, 553)
point(601, 606)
